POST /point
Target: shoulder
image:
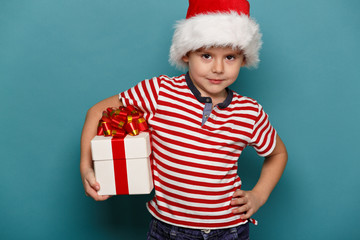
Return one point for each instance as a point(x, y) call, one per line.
point(239, 100)
point(172, 82)
point(159, 81)
point(176, 79)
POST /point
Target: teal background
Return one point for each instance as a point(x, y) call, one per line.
point(58, 58)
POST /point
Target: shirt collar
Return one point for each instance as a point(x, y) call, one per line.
point(201, 99)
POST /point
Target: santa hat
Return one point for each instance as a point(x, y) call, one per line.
point(221, 23)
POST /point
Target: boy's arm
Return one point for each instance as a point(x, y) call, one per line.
point(250, 201)
point(89, 131)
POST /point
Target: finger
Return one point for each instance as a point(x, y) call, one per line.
point(239, 193)
point(94, 184)
point(242, 209)
point(247, 215)
point(90, 191)
point(239, 201)
point(94, 195)
point(102, 197)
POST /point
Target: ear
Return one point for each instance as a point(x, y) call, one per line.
point(185, 58)
point(243, 63)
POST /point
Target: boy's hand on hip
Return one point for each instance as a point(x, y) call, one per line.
point(91, 186)
point(248, 201)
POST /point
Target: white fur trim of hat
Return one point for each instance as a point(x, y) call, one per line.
point(230, 28)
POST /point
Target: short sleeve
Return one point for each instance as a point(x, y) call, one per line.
point(263, 135)
point(143, 96)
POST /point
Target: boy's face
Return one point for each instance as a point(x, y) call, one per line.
point(214, 69)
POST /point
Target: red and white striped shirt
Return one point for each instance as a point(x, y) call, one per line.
point(194, 165)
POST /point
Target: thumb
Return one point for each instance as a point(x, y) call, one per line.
point(93, 183)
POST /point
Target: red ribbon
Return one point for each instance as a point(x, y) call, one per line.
point(118, 123)
point(120, 170)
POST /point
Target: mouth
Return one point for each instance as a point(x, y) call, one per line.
point(215, 81)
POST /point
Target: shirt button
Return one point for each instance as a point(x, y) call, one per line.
point(206, 116)
point(208, 100)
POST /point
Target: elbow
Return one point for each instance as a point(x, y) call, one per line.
point(285, 155)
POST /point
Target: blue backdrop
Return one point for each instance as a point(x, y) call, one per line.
point(58, 58)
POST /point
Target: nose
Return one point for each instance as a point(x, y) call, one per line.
point(218, 66)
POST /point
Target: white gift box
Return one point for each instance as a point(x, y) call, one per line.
point(122, 166)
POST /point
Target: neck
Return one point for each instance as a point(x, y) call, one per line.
point(219, 99)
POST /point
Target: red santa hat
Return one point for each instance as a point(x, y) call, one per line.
point(220, 23)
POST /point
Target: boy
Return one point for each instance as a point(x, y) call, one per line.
point(200, 127)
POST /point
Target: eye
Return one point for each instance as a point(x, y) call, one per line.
point(206, 56)
point(230, 57)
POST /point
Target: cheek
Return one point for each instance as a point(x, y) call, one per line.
point(233, 76)
point(232, 71)
point(197, 69)
point(235, 70)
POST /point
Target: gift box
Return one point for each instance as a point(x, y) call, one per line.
point(122, 165)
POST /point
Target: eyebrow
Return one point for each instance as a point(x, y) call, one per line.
point(236, 52)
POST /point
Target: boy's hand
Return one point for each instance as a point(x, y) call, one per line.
point(248, 201)
point(91, 186)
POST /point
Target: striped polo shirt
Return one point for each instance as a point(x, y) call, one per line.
point(195, 162)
